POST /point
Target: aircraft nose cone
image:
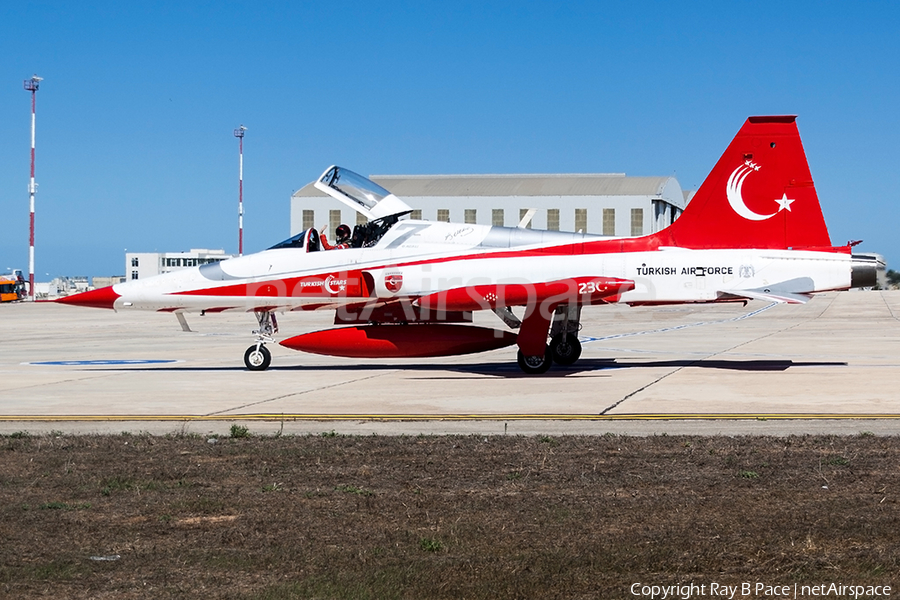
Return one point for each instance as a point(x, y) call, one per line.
point(99, 298)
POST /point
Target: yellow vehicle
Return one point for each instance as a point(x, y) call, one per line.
point(12, 287)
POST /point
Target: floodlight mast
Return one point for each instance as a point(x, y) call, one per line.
point(239, 134)
point(32, 86)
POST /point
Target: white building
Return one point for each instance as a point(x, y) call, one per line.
point(60, 286)
point(599, 203)
point(140, 265)
point(99, 282)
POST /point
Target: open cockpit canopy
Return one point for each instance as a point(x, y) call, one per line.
point(381, 207)
point(362, 195)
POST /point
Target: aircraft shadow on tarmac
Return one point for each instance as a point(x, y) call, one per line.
point(510, 370)
point(595, 366)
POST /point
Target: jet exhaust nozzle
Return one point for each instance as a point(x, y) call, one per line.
point(864, 270)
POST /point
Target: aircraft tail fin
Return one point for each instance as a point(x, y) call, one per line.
point(759, 195)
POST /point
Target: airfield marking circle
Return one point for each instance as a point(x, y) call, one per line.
point(94, 363)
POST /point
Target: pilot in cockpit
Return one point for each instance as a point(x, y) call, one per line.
point(342, 239)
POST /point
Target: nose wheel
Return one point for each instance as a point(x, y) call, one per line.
point(257, 358)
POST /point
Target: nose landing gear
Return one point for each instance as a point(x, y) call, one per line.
point(564, 347)
point(257, 357)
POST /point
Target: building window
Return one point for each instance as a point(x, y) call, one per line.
point(134, 274)
point(470, 216)
point(309, 219)
point(637, 221)
point(361, 219)
point(609, 221)
point(134, 262)
point(581, 220)
point(416, 215)
point(553, 219)
point(334, 221)
point(522, 213)
point(443, 215)
point(497, 217)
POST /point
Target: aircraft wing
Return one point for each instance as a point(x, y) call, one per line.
point(576, 290)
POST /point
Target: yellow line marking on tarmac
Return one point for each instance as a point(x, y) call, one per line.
point(457, 417)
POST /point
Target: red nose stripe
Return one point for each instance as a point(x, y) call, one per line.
point(100, 298)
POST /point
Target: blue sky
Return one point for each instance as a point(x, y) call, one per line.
point(135, 116)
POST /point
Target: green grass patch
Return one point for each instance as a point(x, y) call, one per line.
point(430, 544)
point(352, 489)
point(239, 431)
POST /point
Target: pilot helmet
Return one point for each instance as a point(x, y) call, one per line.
point(342, 232)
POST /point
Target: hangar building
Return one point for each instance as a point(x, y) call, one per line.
point(599, 203)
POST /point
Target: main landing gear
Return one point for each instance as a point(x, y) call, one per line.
point(564, 347)
point(535, 365)
point(257, 357)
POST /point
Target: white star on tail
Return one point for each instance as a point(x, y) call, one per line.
point(784, 203)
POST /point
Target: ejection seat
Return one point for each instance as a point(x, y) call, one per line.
point(312, 240)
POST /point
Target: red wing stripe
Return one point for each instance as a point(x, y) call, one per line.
point(579, 290)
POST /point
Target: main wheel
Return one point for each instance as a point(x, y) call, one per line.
point(257, 358)
point(566, 348)
point(535, 365)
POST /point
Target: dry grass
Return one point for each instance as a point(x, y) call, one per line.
point(440, 517)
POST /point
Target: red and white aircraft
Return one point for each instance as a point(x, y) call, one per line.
point(407, 288)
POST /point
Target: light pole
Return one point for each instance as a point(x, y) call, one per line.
point(32, 86)
point(239, 134)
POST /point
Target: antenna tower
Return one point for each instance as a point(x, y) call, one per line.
point(32, 86)
point(239, 134)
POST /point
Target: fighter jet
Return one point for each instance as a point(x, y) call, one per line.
point(401, 287)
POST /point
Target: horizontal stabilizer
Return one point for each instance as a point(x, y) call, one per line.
point(792, 291)
point(781, 297)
